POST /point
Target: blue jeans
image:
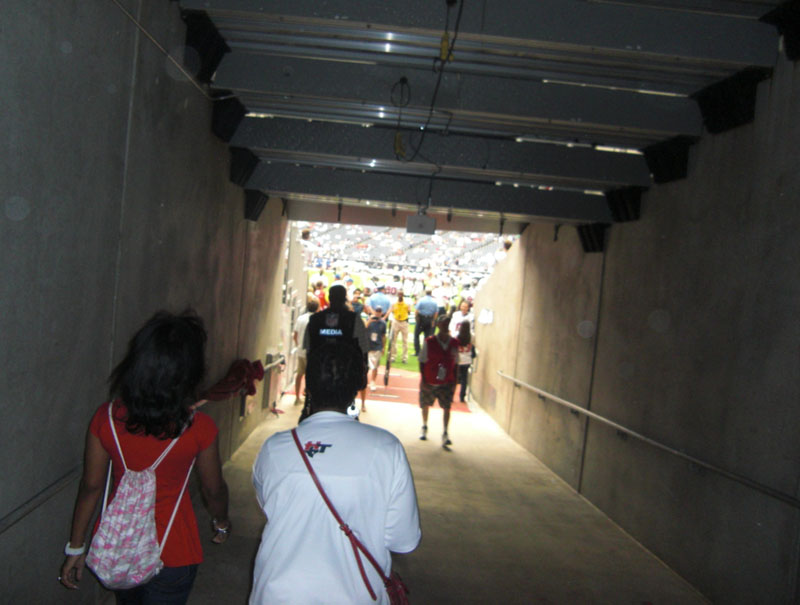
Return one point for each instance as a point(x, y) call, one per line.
point(171, 586)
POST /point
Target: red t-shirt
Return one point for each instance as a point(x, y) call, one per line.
point(140, 451)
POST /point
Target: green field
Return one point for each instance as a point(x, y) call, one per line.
point(412, 365)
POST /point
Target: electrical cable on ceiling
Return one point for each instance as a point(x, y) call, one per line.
point(405, 97)
point(440, 62)
point(420, 210)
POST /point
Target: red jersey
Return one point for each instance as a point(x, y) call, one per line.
point(140, 451)
point(446, 357)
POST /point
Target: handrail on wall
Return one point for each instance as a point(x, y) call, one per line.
point(765, 489)
point(276, 362)
point(23, 510)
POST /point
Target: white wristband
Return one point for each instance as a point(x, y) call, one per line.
point(71, 552)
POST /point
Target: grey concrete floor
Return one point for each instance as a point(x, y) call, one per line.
point(497, 525)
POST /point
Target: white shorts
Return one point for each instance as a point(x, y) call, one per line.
point(374, 358)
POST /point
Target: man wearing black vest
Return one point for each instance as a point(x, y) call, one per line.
point(335, 324)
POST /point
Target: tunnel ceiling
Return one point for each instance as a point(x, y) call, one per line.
point(520, 112)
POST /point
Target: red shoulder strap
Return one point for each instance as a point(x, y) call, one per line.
point(354, 542)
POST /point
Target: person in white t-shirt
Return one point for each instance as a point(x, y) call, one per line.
point(298, 335)
point(304, 555)
point(463, 314)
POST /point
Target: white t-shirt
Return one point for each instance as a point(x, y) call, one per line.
point(300, 326)
point(455, 322)
point(304, 557)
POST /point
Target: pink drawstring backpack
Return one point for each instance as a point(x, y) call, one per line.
point(125, 552)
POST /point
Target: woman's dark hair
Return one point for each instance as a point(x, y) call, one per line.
point(158, 378)
point(334, 375)
point(464, 333)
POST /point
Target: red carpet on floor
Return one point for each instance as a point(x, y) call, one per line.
point(403, 387)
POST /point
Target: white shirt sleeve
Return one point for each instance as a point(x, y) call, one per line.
point(402, 533)
point(259, 472)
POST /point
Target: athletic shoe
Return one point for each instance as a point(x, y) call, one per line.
point(372, 387)
point(446, 440)
point(424, 434)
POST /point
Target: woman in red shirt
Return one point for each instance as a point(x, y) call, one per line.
point(154, 388)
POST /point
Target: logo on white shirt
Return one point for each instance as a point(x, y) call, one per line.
point(316, 448)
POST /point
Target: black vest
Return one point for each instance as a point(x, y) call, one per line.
point(329, 326)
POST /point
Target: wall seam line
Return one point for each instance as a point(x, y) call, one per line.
point(517, 356)
point(594, 364)
point(124, 192)
point(243, 293)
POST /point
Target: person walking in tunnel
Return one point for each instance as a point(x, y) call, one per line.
point(466, 353)
point(151, 417)
point(299, 336)
point(425, 313)
point(336, 324)
point(437, 368)
point(463, 314)
point(376, 330)
point(319, 292)
point(305, 554)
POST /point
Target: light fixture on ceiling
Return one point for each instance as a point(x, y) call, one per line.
point(535, 139)
point(611, 149)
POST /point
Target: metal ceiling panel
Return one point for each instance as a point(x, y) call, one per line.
point(445, 194)
point(451, 121)
point(655, 116)
point(320, 211)
point(600, 169)
point(482, 58)
point(603, 27)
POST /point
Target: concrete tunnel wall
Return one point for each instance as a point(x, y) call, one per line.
point(116, 203)
point(685, 330)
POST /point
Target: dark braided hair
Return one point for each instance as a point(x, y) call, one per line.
point(334, 375)
point(158, 378)
point(464, 333)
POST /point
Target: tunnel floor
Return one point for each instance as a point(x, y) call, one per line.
point(497, 525)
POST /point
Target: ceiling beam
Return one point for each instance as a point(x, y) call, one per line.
point(366, 93)
point(603, 28)
point(479, 158)
point(376, 188)
point(301, 210)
